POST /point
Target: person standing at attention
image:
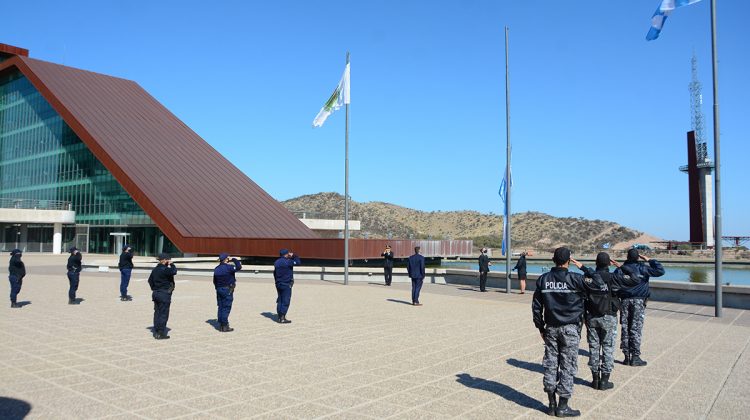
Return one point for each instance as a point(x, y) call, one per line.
point(415, 268)
point(16, 273)
point(521, 267)
point(283, 275)
point(484, 268)
point(126, 269)
point(387, 264)
point(74, 275)
point(161, 281)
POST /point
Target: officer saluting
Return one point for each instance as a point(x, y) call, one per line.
point(283, 274)
point(16, 273)
point(74, 275)
point(558, 310)
point(387, 264)
point(126, 269)
point(225, 282)
point(161, 281)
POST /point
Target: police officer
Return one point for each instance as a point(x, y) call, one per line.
point(74, 274)
point(387, 264)
point(601, 318)
point(224, 282)
point(16, 273)
point(415, 268)
point(484, 268)
point(283, 275)
point(633, 310)
point(161, 281)
point(521, 267)
point(558, 310)
point(126, 269)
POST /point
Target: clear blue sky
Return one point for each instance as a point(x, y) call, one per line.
point(599, 115)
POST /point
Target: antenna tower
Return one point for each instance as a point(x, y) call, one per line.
point(696, 111)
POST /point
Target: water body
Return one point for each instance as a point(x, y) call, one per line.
point(695, 273)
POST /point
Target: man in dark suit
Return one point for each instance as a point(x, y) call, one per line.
point(415, 267)
point(484, 268)
point(387, 264)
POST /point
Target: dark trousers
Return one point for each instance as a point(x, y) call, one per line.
point(124, 280)
point(284, 299)
point(388, 272)
point(416, 287)
point(15, 287)
point(162, 300)
point(73, 279)
point(224, 299)
point(483, 280)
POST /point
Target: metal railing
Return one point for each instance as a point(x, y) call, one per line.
point(30, 204)
point(323, 215)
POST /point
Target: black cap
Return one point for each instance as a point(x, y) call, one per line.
point(72, 249)
point(163, 256)
point(561, 256)
point(15, 251)
point(602, 260)
point(633, 255)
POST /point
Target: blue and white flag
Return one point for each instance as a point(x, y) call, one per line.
point(666, 7)
point(504, 185)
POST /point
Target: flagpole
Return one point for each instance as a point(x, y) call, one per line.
point(346, 191)
point(717, 179)
point(508, 181)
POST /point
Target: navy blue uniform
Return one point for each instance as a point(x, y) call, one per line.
point(415, 268)
point(126, 269)
point(74, 274)
point(388, 267)
point(224, 282)
point(161, 281)
point(633, 307)
point(283, 274)
point(16, 273)
point(484, 268)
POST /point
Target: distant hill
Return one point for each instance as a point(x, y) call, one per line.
point(531, 230)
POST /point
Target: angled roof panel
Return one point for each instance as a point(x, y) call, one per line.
point(184, 184)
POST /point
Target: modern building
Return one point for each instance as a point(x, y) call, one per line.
point(94, 161)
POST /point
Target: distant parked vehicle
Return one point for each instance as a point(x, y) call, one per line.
point(641, 247)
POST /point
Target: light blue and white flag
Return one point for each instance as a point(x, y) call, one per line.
point(666, 7)
point(504, 185)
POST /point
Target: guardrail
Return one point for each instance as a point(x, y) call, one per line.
point(30, 204)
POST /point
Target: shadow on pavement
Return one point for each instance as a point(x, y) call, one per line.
point(24, 303)
point(501, 390)
point(679, 312)
point(536, 367)
point(13, 409)
point(151, 328)
point(399, 301)
point(214, 323)
point(269, 315)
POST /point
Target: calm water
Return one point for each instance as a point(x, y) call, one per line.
point(701, 273)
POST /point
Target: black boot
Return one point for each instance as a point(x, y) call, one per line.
point(595, 380)
point(14, 305)
point(637, 361)
point(225, 328)
point(552, 408)
point(564, 411)
point(73, 302)
point(283, 320)
point(626, 361)
point(605, 384)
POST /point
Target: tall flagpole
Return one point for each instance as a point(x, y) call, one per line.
point(717, 178)
point(508, 182)
point(346, 191)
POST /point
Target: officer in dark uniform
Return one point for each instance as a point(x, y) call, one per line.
point(16, 273)
point(633, 309)
point(224, 282)
point(74, 274)
point(387, 264)
point(521, 267)
point(283, 275)
point(601, 319)
point(415, 268)
point(484, 268)
point(126, 269)
point(558, 311)
point(161, 281)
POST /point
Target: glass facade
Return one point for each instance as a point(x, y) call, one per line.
point(42, 159)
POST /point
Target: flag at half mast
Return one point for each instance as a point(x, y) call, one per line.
point(339, 97)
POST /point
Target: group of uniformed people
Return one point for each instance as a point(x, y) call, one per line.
point(564, 300)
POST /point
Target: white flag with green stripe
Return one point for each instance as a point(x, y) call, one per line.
point(339, 97)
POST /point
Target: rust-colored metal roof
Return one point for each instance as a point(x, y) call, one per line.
point(192, 192)
point(9, 49)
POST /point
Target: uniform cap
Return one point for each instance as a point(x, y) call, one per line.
point(283, 252)
point(164, 256)
point(561, 256)
point(72, 249)
point(223, 256)
point(15, 251)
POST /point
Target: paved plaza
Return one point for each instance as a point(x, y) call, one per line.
point(352, 352)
